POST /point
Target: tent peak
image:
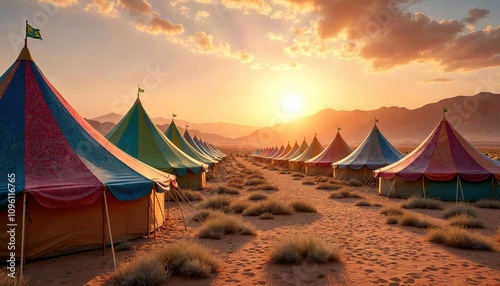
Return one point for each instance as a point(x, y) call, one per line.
point(25, 54)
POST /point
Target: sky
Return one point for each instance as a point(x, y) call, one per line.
point(256, 62)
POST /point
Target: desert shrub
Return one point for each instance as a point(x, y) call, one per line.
point(257, 197)
point(226, 190)
point(254, 182)
point(142, 270)
point(460, 238)
point(219, 202)
point(268, 206)
point(376, 205)
point(490, 204)
point(362, 203)
point(217, 227)
point(303, 207)
point(391, 219)
point(298, 175)
point(235, 180)
point(465, 221)
point(421, 203)
point(308, 182)
point(255, 176)
point(266, 216)
point(235, 185)
point(266, 187)
point(460, 209)
point(239, 206)
point(344, 192)
point(295, 249)
point(355, 183)
point(322, 179)
point(410, 219)
point(189, 259)
point(391, 211)
point(17, 281)
point(328, 186)
point(124, 245)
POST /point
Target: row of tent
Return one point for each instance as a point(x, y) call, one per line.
point(66, 188)
point(444, 166)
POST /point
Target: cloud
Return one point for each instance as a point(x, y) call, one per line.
point(61, 3)
point(260, 6)
point(184, 10)
point(200, 15)
point(136, 7)
point(475, 15)
point(440, 79)
point(176, 2)
point(102, 7)
point(202, 42)
point(157, 25)
point(386, 35)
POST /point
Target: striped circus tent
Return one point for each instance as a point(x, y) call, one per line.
point(374, 152)
point(80, 191)
point(322, 163)
point(283, 161)
point(138, 136)
point(285, 154)
point(445, 166)
point(298, 163)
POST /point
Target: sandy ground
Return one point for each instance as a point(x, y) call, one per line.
point(373, 253)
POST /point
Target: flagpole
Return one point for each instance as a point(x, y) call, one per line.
point(26, 34)
point(138, 91)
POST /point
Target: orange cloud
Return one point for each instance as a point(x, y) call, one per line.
point(441, 79)
point(202, 42)
point(103, 7)
point(157, 25)
point(288, 66)
point(61, 3)
point(260, 6)
point(386, 34)
point(200, 15)
point(136, 7)
point(275, 37)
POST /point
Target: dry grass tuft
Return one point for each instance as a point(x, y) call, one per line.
point(460, 209)
point(344, 192)
point(226, 190)
point(308, 182)
point(328, 186)
point(490, 204)
point(411, 219)
point(465, 221)
point(392, 211)
point(377, 205)
point(303, 207)
point(298, 175)
point(17, 281)
point(266, 187)
point(266, 216)
point(422, 203)
point(268, 206)
point(391, 219)
point(239, 206)
point(202, 215)
point(142, 270)
point(217, 227)
point(257, 196)
point(189, 259)
point(460, 238)
point(355, 183)
point(295, 249)
point(218, 202)
point(322, 179)
point(255, 176)
point(254, 182)
point(235, 185)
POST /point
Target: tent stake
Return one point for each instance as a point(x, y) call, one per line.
point(109, 228)
point(22, 235)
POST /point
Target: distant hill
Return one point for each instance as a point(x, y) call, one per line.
point(103, 128)
point(475, 117)
point(110, 117)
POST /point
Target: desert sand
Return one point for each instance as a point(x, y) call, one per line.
point(374, 253)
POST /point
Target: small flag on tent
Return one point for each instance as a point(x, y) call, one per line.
point(339, 128)
point(140, 89)
point(32, 32)
point(445, 109)
point(174, 115)
point(376, 120)
point(187, 126)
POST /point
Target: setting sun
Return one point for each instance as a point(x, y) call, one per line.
point(292, 104)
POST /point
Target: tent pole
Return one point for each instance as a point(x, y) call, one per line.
point(156, 222)
point(153, 209)
point(109, 228)
point(148, 213)
point(461, 189)
point(393, 183)
point(103, 228)
point(423, 185)
point(22, 234)
point(456, 194)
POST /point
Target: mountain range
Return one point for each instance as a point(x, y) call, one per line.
point(475, 117)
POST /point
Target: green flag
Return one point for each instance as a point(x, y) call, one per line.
point(174, 115)
point(376, 120)
point(140, 89)
point(339, 128)
point(32, 32)
point(445, 109)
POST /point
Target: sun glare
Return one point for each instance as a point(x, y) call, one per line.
point(292, 104)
